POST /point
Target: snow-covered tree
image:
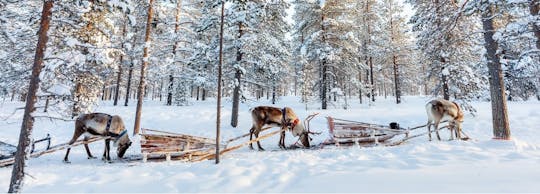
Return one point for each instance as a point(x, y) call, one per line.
point(448, 39)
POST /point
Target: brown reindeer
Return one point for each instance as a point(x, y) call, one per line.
point(101, 124)
point(277, 117)
point(443, 110)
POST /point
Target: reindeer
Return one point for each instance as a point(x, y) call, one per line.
point(101, 124)
point(276, 117)
point(443, 110)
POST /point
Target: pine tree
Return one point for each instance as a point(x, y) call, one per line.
point(447, 39)
point(18, 173)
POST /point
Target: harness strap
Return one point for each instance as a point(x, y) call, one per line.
point(124, 132)
point(283, 116)
point(107, 128)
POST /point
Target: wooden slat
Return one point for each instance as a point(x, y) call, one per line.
point(55, 148)
point(239, 146)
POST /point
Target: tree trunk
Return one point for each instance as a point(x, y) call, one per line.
point(238, 83)
point(170, 89)
point(218, 97)
point(501, 127)
point(76, 103)
point(46, 103)
point(370, 58)
point(371, 79)
point(17, 174)
point(323, 69)
point(446, 90)
point(397, 89)
point(118, 80)
point(128, 86)
point(198, 93)
point(425, 81)
point(360, 88)
point(142, 83)
point(236, 98)
point(324, 82)
point(175, 46)
point(534, 6)
point(274, 93)
point(203, 94)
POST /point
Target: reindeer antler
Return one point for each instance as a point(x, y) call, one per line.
point(307, 121)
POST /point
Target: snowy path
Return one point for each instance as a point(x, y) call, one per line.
point(481, 165)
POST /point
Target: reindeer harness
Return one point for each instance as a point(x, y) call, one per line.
point(108, 127)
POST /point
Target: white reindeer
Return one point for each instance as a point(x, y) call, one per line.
point(443, 110)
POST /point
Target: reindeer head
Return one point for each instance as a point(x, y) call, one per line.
point(122, 142)
point(296, 127)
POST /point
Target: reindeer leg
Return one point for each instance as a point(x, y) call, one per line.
point(106, 154)
point(458, 132)
point(78, 132)
point(282, 140)
point(258, 143)
point(452, 130)
point(88, 149)
point(251, 137)
point(429, 129)
point(437, 130)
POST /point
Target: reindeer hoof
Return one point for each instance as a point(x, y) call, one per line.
point(92, 157)
point(261, 149)
point(67, 162)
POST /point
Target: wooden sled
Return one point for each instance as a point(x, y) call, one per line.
point(157, 144)
point(353, 132)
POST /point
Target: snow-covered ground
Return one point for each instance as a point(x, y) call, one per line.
point(479, 165)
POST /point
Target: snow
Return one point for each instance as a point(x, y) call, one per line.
point(478, 165)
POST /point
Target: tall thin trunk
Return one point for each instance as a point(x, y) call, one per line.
point(17, 174)
point(175, 46)
point(103, 93)
point(218, 115)
point(442, 60)
point(128, 86)
point(142, 83)
point(370, 58)
point(160, 89)
point(534, 7)
point(238, 83)
point(274, 93)
point(118, 81)
point(360, 88)
point(324, 82)
point(501, 127)
point(119, 78)
point(444, 79)
point(371, 80)
point(198, 92)
point(48, 98)
point(397, 89)
point(203, 94)
point(425, 81)
point(170, 89)
point(76, 103)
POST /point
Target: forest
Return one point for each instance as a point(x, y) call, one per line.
point(63, 58)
